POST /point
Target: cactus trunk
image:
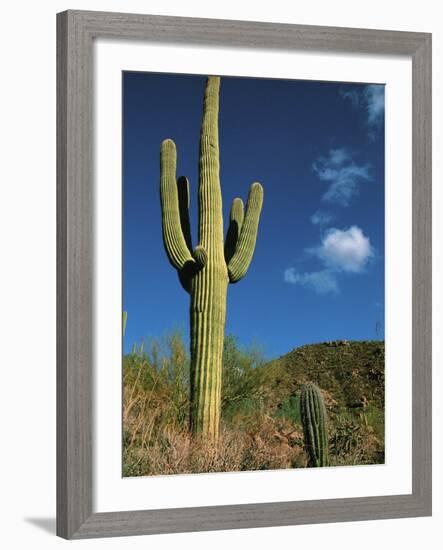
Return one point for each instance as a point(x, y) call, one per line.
point(207, 335)
point(314, 420)
point(206, 271)
point(208, 298)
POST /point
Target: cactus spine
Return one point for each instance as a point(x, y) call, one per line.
point(314, 420)
point(206, 270)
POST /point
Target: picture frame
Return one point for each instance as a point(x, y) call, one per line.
point(76, 32)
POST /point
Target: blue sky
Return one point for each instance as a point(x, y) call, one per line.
point(318, 150)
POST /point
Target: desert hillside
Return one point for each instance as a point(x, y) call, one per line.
point(261, 424)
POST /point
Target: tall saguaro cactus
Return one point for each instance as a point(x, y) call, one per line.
point(206, 270)
point(313, 417)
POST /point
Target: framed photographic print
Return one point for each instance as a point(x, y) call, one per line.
point(244, 274)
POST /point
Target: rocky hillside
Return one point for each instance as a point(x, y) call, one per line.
point(351, 373)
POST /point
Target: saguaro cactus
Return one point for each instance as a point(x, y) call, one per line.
point(314, 420)
point(206, 270)
point(125, 319)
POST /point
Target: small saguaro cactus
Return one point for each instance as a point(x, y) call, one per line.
point(314, 421)
point(206, 270)
point(125, 319)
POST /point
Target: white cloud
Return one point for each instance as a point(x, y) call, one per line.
point(342, 174)
point(372, 99)
point(375, 103)
point(345, 250)
point(338, 156)
point(321, 218)
point(340, 251)
point(321, 281)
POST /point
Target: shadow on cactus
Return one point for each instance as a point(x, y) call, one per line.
point(206, 270)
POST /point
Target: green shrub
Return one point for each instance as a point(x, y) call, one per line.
point(290, 408)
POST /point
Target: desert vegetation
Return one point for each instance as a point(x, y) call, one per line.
point(261, 424)
point(220, 407)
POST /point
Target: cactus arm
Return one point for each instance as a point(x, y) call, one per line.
point(175, 243)
point(200, 256)
point(236, 217)
point(188, 271)
point(241, 259)
point(183, 206)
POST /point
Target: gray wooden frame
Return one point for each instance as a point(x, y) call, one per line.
point(76, 31)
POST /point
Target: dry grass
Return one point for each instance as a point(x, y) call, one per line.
point(176, 452)
point(260, 427)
